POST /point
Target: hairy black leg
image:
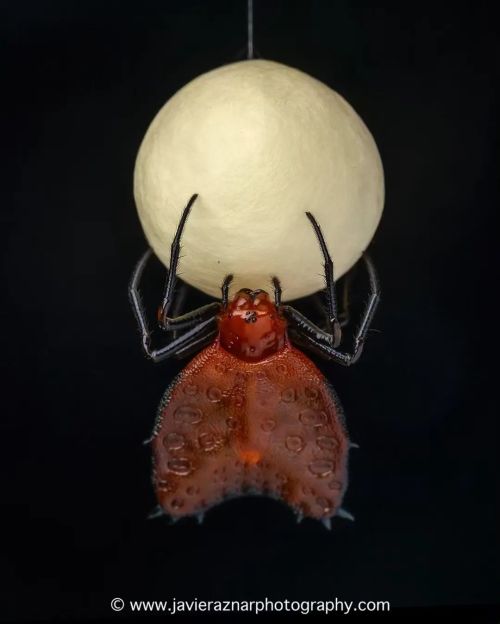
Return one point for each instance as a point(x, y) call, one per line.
point(186, 320)
point(331, 301)
point(202, 332)
point(304, 327)
point(189, 319)
point(179, 301)
point(318, 340)
point(277, 292)
point(182, 322)
point(319, 305)
point(344, 313)
point(197, 343)
point(177, 305)
point(225, 290)
point(175, 249)
point(200, 324)
point(344, 316)
point(179, 321)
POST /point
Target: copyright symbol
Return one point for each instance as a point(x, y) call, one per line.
point(117, 604)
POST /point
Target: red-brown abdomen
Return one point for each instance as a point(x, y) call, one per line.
point(228, 427)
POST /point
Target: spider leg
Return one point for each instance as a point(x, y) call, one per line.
point(196, 343)
point(225, 290)
point(190, 318)
point(319, 306)
point(331, 300)
point(322, 342)
point(344, 313)
point(345, 316)
point(177, 306)
point(277, 292)
point(185, 321)
point(174, 259)
point(191, 339)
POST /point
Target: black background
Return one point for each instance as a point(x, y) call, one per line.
point(82, 82)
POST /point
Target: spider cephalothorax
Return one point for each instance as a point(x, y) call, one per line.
point(251, 327)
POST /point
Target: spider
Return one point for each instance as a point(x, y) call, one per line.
point(251, 413)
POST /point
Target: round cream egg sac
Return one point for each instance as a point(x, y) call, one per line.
point(261, 143)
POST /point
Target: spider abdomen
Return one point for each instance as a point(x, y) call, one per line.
point(228, 427)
